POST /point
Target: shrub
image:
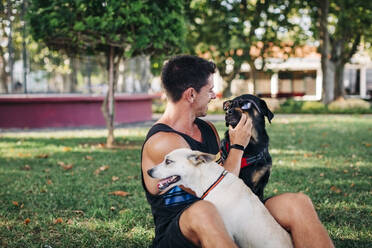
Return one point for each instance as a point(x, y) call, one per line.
point(313, 107)
point(342, 105)
point(290, 106)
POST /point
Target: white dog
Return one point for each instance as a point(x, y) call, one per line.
point(246, 219)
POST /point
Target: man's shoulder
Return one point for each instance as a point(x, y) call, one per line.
point(164, 142)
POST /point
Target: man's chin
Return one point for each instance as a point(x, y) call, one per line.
point(202, 114)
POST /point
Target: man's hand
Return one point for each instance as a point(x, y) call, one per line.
point(241, 134)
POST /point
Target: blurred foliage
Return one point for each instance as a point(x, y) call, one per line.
point(131, 27)
point(340, 27)
point(236, 32)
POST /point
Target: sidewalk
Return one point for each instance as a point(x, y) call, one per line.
point(146, 124)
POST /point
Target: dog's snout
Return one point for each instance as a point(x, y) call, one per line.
point(229, 111)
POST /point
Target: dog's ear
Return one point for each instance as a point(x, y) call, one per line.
point(199, 157)
point(266, 111)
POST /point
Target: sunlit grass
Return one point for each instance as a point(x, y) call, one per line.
point(52, 191)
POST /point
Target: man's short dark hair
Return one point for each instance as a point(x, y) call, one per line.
point(185, 71)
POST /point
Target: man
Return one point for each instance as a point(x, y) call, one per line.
point(181, 219)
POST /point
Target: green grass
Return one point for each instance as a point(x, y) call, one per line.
point(327, 157)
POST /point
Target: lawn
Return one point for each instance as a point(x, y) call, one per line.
point(65, 189)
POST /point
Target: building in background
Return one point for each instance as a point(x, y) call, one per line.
point(300, 76)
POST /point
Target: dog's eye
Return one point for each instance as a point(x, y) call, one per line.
point(227, 105)
point(168, 161)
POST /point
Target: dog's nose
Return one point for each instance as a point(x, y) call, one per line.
point(149, 172)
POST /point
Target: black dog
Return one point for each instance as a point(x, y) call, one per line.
point(256, 162)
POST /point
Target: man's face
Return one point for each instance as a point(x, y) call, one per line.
point(205, 95)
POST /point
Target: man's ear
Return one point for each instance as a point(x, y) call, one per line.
point(189, 94)
point(197, 158)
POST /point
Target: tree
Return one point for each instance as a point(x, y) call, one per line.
point(341, 26)
point(13, 36)
point(118, 29)
point(229, 31)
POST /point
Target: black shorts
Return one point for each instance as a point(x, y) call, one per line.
point(173, 237)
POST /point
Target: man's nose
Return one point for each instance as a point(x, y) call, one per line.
point(213, 95)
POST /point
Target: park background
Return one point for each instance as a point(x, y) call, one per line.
point(69, 68)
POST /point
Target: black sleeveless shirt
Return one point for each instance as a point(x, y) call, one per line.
point(167, 206)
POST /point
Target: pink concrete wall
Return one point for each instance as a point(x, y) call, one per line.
point(33, 111)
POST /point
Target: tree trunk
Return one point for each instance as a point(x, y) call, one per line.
point(88, 76)
point(339, 80)
point(10, 45)
point(24, 48)
point(328, 69)
point(327, 65)
point(109, 102)
point(3, 73)
point(253, 73)
point(73, 75)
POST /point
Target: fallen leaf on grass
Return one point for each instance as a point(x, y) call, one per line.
point(367, 144)
point(65, 166)
point(335, 189)
point(58, 221)
point(15, 203)
point(26, 167)
point(27, 221)
point(69, 222)
point(100, 145)
point(42, 156)
point(100, 169)
point(66, 149)
point(24, 155)
point(321, 174)
point(114, 178)
point(119, 193)
point(88, 157)
point(307, 155)
point(49, 182)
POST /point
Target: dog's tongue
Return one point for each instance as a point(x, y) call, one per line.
point(164, 183)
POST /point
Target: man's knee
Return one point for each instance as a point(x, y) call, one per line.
point(199, 221)
point(290, 208)
point(200, 215)
point(300, 203)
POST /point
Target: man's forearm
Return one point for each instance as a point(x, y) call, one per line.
point(233, 161)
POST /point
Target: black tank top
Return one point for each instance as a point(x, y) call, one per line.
point(165, 207)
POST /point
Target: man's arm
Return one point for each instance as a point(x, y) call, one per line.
point(154, 151)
